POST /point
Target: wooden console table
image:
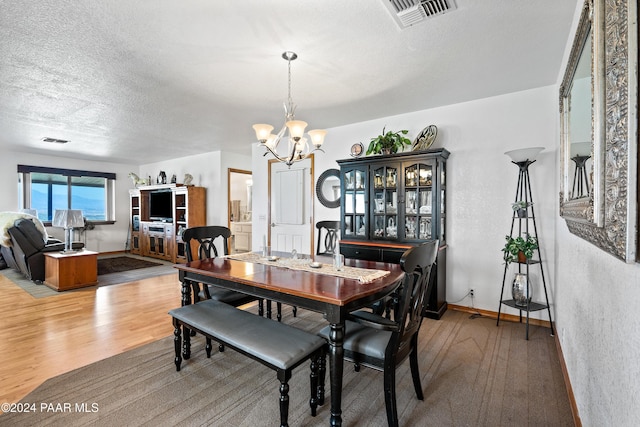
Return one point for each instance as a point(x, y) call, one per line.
point(70, 271)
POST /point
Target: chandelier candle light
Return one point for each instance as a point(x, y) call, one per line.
point(298, 147)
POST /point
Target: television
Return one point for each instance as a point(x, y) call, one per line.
point(161, 206)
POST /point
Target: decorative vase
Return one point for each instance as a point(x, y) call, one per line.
point(521, 290)
point(522, 212)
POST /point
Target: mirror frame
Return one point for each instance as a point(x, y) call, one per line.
point(321, 197)
point(607, 217)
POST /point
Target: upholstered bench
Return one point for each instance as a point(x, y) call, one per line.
point(276, 345)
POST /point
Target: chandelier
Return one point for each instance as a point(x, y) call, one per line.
point(298, 147)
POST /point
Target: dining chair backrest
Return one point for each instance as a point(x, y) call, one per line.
point(417, 263)
point(206, 237)
point(327, 237)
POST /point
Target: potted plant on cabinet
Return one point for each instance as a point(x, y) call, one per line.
point(388, 143)
point(519, 249)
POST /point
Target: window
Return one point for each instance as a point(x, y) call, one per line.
point(47, 189)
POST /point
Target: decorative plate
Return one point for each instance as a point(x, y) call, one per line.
point(357, 149)
point(426, 138)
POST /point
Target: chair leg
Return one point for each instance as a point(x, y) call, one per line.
point(260, 307)
point(177, 340)
point(322, 372)
point(390, 395)
point(279, 314)
point(268, 309)
point(295, 311)
point(415, 369)
point(313, 381)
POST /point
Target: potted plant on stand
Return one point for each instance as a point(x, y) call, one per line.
point(388, 143)
point(520, 249)
point(521, 208)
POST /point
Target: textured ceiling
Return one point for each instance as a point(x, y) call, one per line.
point(143, 81)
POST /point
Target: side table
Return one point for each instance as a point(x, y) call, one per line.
point(64, 271)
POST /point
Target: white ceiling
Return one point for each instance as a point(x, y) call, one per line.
point(143, 81)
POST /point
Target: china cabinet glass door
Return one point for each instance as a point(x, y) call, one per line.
point(418, 196)
point(385, 199)
point(354, 215)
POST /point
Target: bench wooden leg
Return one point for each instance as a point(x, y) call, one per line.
point(186, 343)
point(177, 340)
point(208, 347)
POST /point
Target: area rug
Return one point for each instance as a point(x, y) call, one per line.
point(473, 373)
point(122, 263)
point(143, 270)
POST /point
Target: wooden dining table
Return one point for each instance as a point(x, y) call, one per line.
point(330, 295)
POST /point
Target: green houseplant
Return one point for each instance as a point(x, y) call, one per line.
point(519, 249)
point(521, 207)
point(389, 142)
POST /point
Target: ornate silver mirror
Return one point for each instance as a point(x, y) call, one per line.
point(598, 118)
point(582, 122)
point(328, 188)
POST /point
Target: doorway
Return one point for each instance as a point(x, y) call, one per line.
point(291, 206)
point(239, 195)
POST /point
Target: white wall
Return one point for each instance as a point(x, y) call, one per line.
point(597, 321)
point(481, 181)
point(104, 238)
point(209, 170)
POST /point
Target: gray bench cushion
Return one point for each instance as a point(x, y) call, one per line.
point(280, 345)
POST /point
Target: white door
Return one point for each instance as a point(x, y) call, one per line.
point(291, 213)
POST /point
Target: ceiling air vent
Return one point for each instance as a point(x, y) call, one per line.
point(410, 12)
point(55, 140)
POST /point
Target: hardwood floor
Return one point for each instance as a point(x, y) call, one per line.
point(45, 337)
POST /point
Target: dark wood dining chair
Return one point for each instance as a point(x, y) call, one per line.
point(381, 343)
point(206, 237)
point(328, 236)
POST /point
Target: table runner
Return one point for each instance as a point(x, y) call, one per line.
point(363, 275)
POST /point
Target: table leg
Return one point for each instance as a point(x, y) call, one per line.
point(336, 365)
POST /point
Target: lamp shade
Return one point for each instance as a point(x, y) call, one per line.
point(296, 128)
point(524, 154)
point(263, 131)
point(68, 218)
point(317, 136)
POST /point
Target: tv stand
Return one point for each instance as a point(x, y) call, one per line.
point(162, 238)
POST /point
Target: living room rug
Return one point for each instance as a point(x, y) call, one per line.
point(473, 373)
point(138, 269)
point(122, 263)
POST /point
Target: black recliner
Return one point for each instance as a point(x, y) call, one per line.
point(28, 248)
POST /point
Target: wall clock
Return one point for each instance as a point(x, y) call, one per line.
point(357, 149)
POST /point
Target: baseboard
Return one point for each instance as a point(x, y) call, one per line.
point(567, 382)
point(513, 318)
